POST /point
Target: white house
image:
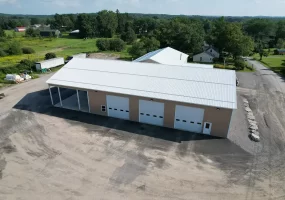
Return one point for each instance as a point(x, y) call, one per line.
point(204, 57)
point(207, 56)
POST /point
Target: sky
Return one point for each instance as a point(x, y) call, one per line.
point(176, 7)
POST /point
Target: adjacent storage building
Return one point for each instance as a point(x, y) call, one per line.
point(197, 100)
point(169, 56)
point(47, 64)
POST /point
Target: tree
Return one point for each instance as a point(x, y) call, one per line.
point(129, 36)
point(50, 56)
point(2, 33)
point(280, 43)
point(150, 44)
point(30, 32)
point(103, 44)
point(35, 20)
point(280, 32)
point(137, 50)
point(117, 45)
point(229, 37)
point(107, 23)
point(87, 25)
point(14, 48)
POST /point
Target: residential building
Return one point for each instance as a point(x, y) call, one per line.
point(20, 29)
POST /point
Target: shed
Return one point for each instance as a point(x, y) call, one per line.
point(194, 99)
point(47, 64)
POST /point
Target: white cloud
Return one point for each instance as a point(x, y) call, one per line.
point(8, 1)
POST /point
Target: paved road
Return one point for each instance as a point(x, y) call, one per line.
point(265, 91)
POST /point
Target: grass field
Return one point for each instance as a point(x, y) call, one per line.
point(62, 47)
point(275, 62)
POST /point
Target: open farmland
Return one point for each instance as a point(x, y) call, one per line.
point(61, 46)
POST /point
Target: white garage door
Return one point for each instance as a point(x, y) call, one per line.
point(151, 112)
point(118, 107)
point(189, 119)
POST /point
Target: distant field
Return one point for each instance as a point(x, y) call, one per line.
point(62, 47)
point(11, 33)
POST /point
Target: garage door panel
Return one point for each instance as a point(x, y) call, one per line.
point(118, 107)
point(151, 112)
point(189, 118)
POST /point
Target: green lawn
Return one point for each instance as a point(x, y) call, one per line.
point(275, 62)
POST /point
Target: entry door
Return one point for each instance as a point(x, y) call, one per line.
point(118, 107)
point(189, 119)
point(151, 112)
point(207, 128)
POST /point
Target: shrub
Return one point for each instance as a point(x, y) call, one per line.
point(2, 53)
point(26, 65)
point(50, 56)
point(117, 45)
point(239, 64)
point(282, 71)
point(218, 66)
point(103, 44)
point(137, 50)
point(14, 48)
point(28, 50)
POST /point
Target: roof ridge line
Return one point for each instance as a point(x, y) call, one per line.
point(149, 76)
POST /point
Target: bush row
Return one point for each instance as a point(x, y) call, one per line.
point(110, 44)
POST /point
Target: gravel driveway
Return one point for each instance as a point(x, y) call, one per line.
point(52, 153)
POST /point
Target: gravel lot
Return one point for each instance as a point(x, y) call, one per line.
point(52, 153)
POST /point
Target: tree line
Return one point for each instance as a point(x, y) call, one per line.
point(235, 35)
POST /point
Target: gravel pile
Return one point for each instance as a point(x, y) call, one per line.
point(253, 128)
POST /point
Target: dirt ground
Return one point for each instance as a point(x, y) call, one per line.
point(108, 56)
point(53, 153)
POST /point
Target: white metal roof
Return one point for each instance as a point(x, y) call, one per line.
point(198, 65)
point(203, 86)
point(166, 56)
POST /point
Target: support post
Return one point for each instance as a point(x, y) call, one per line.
point(59, 96)
point(88, 102)
point(50, 95)
point(78, 101)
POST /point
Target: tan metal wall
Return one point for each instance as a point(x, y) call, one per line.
point(220, 119)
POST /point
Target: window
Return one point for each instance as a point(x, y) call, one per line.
point(110, 108)
point(192, 122)
point(184, 120)
point(207, 126)
point(122, 110)
point(211, 50)
point(142, 113)
point(178, 120)
point(154, 116)
point(147, 114)
point(127, 111)
point(199, 123)
point(115, 109)
point(103, 108)
point(160, 117)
